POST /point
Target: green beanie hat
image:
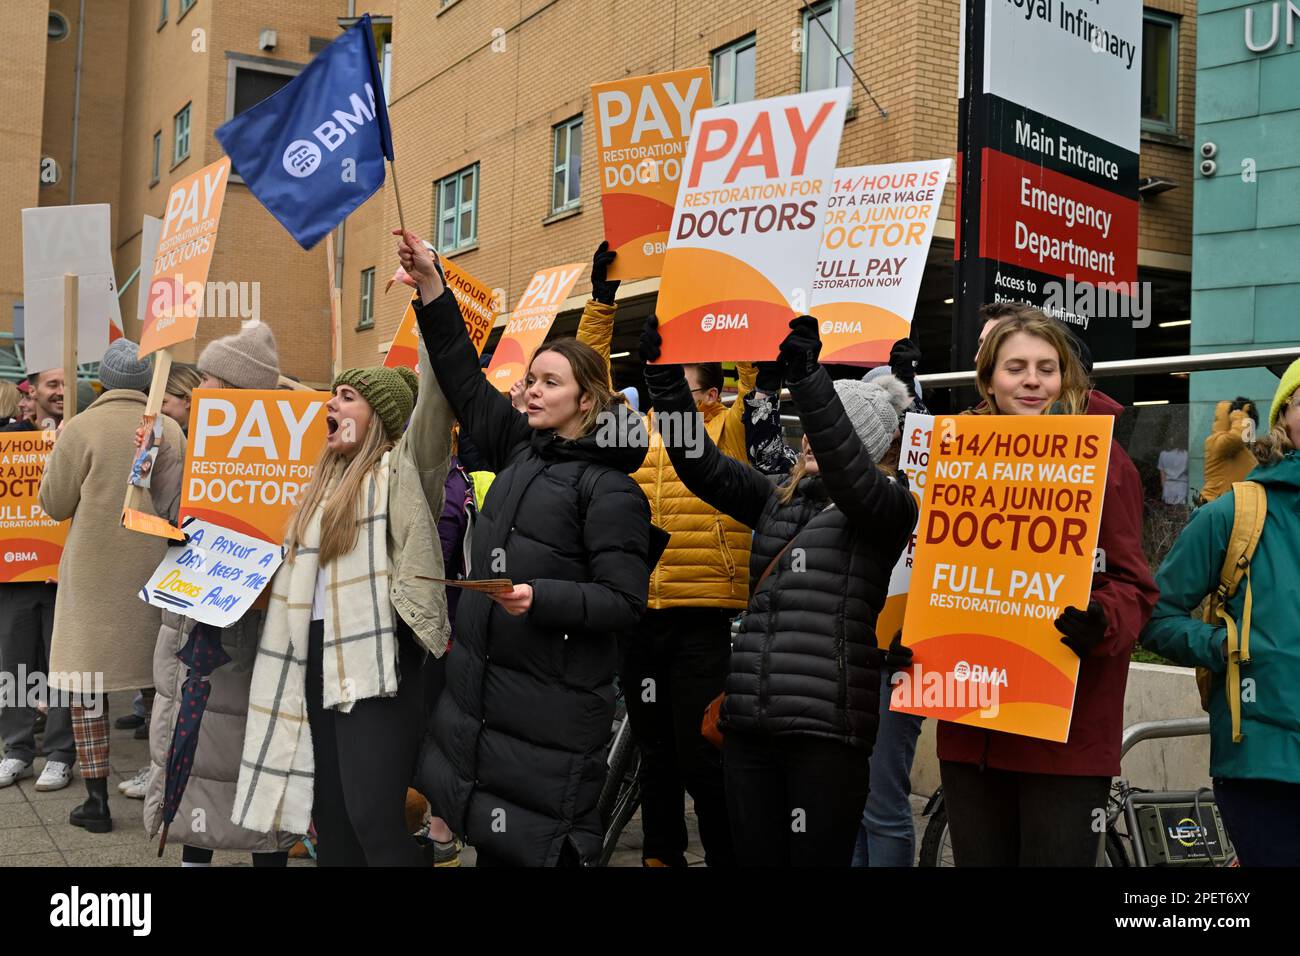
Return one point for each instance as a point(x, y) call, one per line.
point(1290, 382)
point(390, 391)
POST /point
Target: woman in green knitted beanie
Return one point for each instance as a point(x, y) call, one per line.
point(335, 705)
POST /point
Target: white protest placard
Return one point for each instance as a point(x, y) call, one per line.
point(215, 576)
point(747, 225)
point(878, 229)
point(913, 461)
point(149, 234)
point(58, 240)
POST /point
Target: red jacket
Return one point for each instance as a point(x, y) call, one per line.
point(1128, 594)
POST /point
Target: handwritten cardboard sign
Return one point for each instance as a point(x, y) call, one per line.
point(215, 577)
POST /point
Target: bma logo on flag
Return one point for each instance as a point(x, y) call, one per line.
point(302, 158)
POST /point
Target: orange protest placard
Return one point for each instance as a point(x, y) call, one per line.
point(478, 307)
point(531, 320)
point(250, 455)
point(643, 124)
point(1006, 542)
point(747, 225)
point(180, 268)
point(30, 540)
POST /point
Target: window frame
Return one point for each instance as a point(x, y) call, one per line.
point(1171, 21)
point(162, 14)
point(155, 170)
point(186, 7)
point(816, 10)
point(566, 129)
point(178, 158)
point(440, 214)
point(366, 305)
point(734, 48)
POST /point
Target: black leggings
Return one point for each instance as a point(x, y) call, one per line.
point(364, 763)
point(1008, 818)
point(794, 799)
point(197, 854)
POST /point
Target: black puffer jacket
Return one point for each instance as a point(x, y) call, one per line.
point(806, 660)
point(514, 761)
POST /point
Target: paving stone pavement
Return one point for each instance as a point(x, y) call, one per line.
point(34, 827)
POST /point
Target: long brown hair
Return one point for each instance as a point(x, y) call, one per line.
point(336, 488)
point(591, 374)
point(1075, 386)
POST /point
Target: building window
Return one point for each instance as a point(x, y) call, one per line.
point(162, 13)
point(252, 84)
point(457, 200)
point(822, 66)
point(367, 299)
point(566, 182)
point(155, 168)
point(186, 6)
point(733, 72)
point(56, 27)
point(1159, 72)
point(181, 135)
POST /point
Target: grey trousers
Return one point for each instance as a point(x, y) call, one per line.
point(26, 628)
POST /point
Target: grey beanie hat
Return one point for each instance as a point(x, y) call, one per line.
point(246, 360)
point(880, 371)
point(121, 367)
point(875, 410)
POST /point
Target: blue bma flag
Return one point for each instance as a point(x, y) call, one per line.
point(315, 150)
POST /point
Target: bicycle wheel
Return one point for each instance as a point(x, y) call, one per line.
point(936, 845)
point(626, 802)
point(1116, 855)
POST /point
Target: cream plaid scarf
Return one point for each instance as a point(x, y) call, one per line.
point(360, 662)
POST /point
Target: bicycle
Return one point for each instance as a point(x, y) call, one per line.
point(620, 795)
point(1161, 828)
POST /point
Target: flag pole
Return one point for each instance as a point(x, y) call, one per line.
point(336, 319)
point(401, 220)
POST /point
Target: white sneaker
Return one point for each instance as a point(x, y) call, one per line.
point(12, 770)
point(135, 788)
point(55, 776)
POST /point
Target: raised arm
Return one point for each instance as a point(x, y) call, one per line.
point(733, 487)
point(858, 488)
point(596, 327)
point(487, 415)
point(427, 439)
point(764, 441)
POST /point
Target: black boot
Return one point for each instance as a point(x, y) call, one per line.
point(93, 815)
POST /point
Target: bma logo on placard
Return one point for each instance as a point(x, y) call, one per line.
point(710, 322)
point(302, 158)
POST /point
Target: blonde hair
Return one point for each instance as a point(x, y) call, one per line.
point(1274, 446)
point(182, 380)
point(9, 397)
point(335, 489)
point(1075, 386)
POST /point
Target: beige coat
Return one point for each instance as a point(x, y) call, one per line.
point(100, 624)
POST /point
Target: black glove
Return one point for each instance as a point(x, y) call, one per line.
point(1084, 630)
point(769, 378)
point(800, 349)
point(904, 359)
point(603, 289)
point(898, 656)
point(652, 343)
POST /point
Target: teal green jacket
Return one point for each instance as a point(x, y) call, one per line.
point(1270, 706)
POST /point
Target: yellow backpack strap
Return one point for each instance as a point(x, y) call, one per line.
point(1250, 503)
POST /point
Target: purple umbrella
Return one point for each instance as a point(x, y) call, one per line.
point(204, 654)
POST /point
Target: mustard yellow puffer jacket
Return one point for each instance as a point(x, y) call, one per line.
point(707, 560)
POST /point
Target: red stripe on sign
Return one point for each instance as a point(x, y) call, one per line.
point(1039, 219)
